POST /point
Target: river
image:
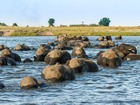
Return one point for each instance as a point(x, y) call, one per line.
point(120, 86)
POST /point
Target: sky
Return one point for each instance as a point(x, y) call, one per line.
point(66, 12)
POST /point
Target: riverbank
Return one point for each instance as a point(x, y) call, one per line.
point(51, 31)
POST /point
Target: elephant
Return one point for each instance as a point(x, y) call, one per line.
point(7, 61)
point(27, 60)
point(85, 38)
point(1, 85)
point(56, 55)
point(91, 65)
point(118, 37)
point(16, 57)
point(78, 65)
point(72, 41)
point(103, 44)
point(132, 57)
point(2, 47)
point(125, 49)
point(10, 54)
point(84, 44)
point(106, 44)
point(3, 61)
point(29, 82)
point(22, 47)
point(100, 38)
point(111, 43)
point(41, 52)
point(109, 58)
point(57, 73)
point(62, 38)
point(79, 52)
point(63, 47)
point(108, 38)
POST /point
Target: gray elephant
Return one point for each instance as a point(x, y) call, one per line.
point(28, 82)
point(41, 52)
point(92, 67)
point(118, 37)
point(7, 61)
point(22, 47)
point(108, 37)
point(109, 58)
point(56, 55)
point(57, 73)
point(79, 52)
point(84, 38)
point(63, 47)
point(106, 44)
point(78, 65)
point(2, 47)
point(27, 60)
point(100, 38)
point(125, 49)
point(10, 54)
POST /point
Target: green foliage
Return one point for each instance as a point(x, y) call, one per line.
point(83, 25)
point(63, 26)
point(51, 22)
point(15, 24)
point(3, 24)
point(104, 21)
point(78, 25)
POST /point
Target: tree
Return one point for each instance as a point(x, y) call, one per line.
point(104, 21)
point(51, 22)
point(15, 24)
point(3, 24)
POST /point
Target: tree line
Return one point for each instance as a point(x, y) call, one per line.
point(103, 22)
point(3, 24)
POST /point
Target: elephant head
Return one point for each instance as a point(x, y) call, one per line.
point(125, 49)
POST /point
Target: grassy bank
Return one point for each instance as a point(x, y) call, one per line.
point(90, 31)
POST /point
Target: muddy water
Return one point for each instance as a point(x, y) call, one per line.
point(119, 86)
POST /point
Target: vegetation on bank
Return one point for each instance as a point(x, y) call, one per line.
point(89, 31)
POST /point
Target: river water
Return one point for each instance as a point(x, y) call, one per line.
point(119, 86)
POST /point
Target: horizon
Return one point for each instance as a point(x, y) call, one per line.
point(36, 13)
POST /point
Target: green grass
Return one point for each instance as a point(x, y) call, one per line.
point(90, 31)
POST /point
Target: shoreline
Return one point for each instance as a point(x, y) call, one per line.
point(73, 31)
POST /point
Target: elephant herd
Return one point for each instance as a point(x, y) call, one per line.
point(65, 66)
